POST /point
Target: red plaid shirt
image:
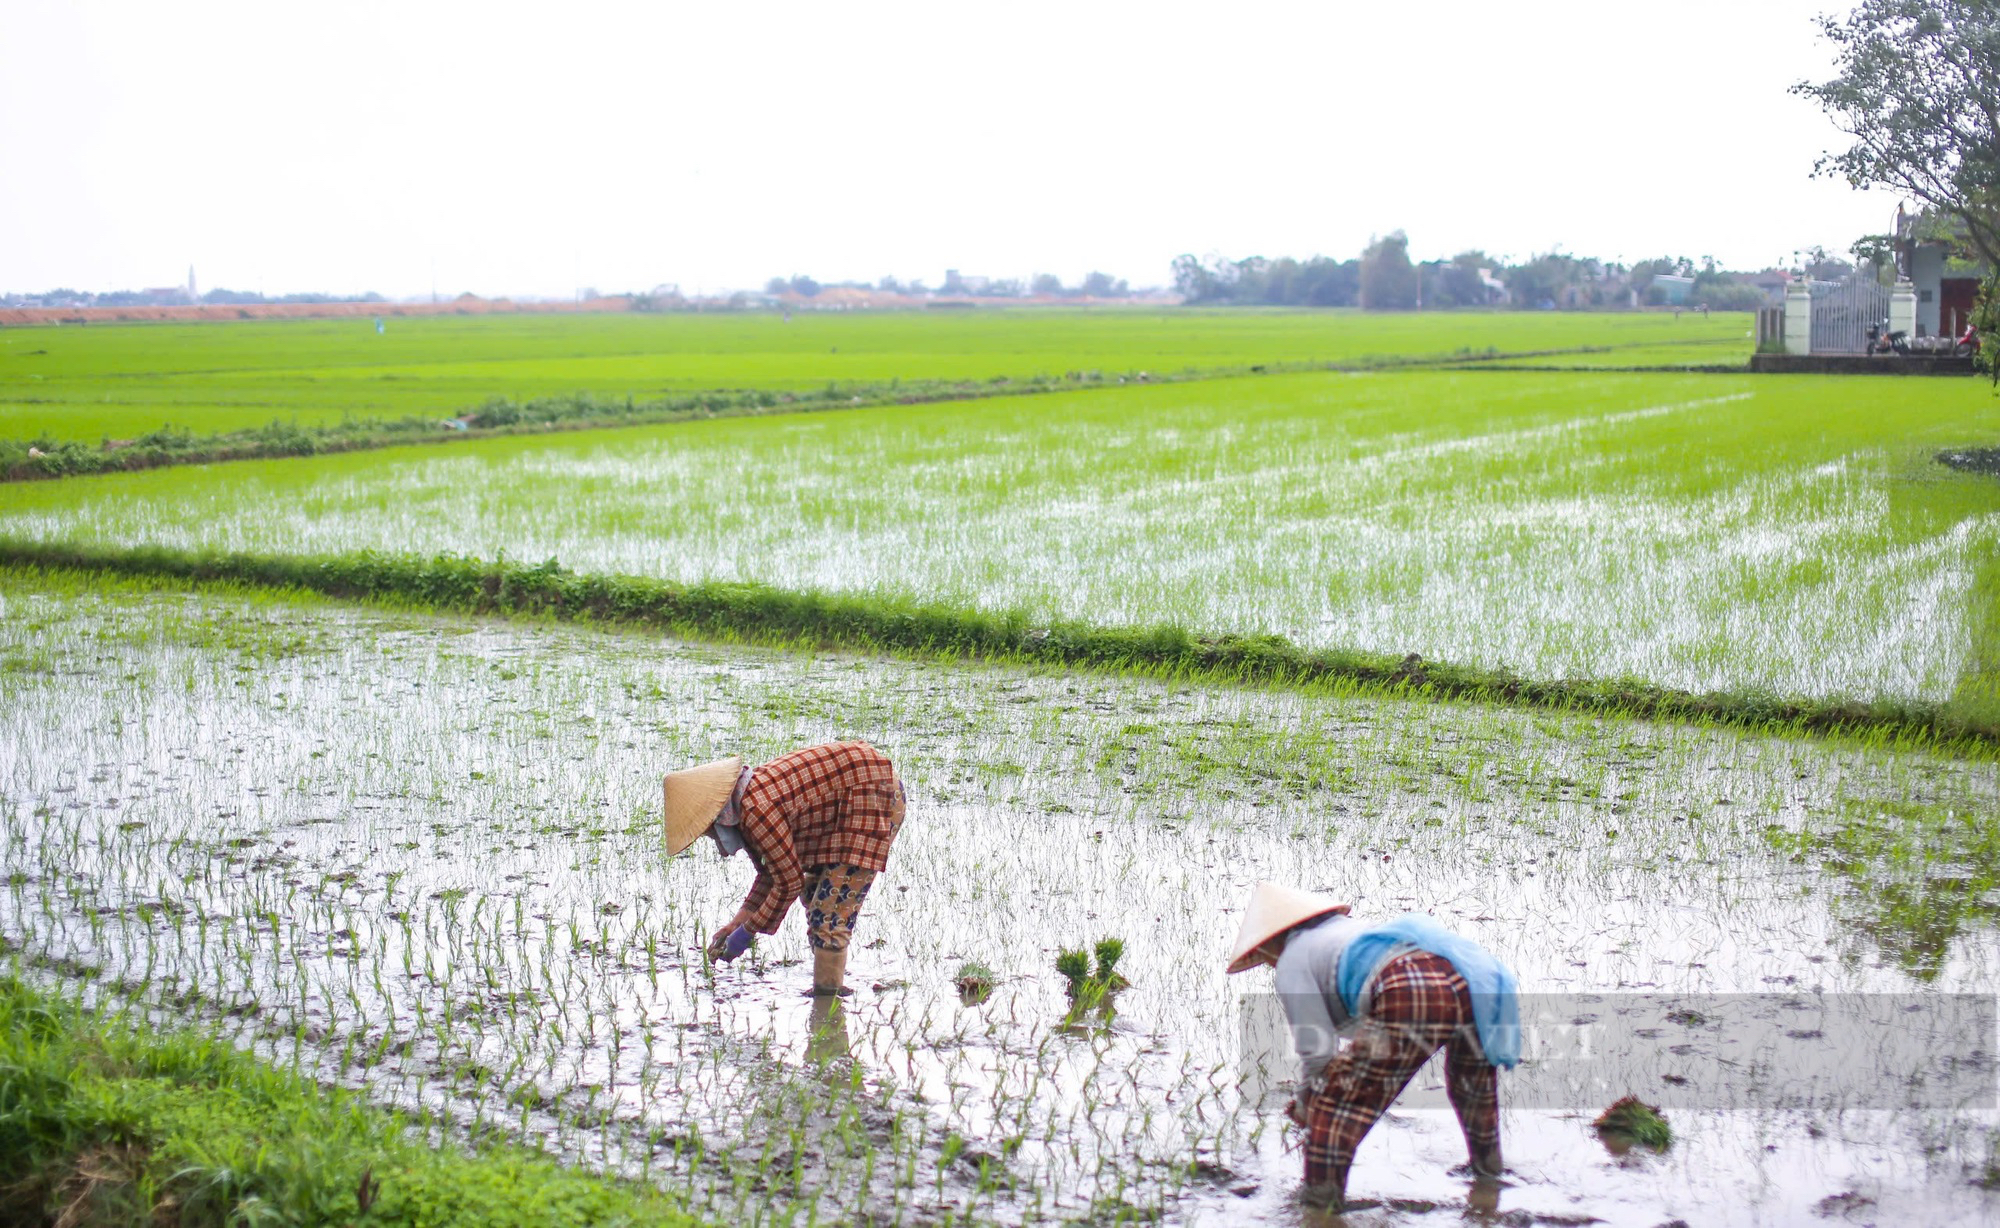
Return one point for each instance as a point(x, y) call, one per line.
point(824, 805)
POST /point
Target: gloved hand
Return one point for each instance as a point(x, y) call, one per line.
point(734, 945)
point(735, 931)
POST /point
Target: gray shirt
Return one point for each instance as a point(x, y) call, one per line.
point(727, 838)
point(1310, 993)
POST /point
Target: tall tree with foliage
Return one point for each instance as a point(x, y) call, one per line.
point(1316, 282)
point(1918, 89)
point(1388, 280)
point(1103, 285)
point(1459, 283)
point(1542, 280)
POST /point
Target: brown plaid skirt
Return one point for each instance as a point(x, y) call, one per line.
point(1421, 1005)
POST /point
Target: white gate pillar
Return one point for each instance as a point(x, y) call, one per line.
point(1798, 317)
point(1903, 307)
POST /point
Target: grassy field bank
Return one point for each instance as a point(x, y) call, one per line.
point(751, 614)
point(420, 856)
point(126, 380)
point(1706, 533)
point(111, 1120)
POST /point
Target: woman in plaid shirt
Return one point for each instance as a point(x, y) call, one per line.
point(1401, 990)
point(818, 824)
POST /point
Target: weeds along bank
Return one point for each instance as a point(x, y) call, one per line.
point(747, 614)
point(123, 382)
point(452, 896)
point(112, 1120)
point(32, 460)
point(1752, 536)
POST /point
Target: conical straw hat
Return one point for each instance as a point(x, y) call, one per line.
point(694, 797)
point(1273, 910)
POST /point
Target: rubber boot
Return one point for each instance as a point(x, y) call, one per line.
point(1487, 1163)
point(829, 974)
point(1331, 1194)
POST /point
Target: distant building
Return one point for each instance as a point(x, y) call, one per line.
point(1772, 282)
point(1931, 256)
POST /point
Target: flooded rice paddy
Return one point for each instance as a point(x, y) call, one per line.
point(421, 856)
point(1704, 532)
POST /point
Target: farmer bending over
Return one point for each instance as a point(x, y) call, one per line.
point(1401, 990)
point(817, 823)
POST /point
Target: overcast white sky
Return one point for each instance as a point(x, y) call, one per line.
point(532, 149)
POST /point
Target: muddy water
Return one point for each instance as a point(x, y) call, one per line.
point(420, 856)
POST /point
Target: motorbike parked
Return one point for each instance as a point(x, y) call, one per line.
point(1881, 340)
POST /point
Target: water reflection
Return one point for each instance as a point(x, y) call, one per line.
point(828, 1037)
point(1916, 876)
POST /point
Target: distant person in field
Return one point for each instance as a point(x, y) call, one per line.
point(1399, 991)
point(817, 823)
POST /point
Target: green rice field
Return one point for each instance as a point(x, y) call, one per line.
point(121, 381)
point(1696, 531)
point(414, 855)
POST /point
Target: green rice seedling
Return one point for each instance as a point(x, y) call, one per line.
point(974, 982)
point(1075, 969)
point(1109, 950)
point(1631, 1121)
point(1087, 988)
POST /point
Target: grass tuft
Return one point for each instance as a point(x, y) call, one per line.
point(109, 1122)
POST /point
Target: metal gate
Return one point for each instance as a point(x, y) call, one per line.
point(1843, 310)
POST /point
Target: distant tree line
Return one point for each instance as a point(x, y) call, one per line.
point(241, 297)
point(1384, 278)
point(1093, 285)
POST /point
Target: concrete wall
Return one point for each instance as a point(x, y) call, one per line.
point(1858, 364)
